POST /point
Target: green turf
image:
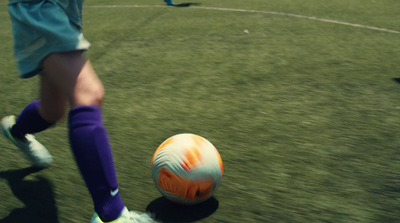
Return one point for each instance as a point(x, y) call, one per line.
point(305, 113)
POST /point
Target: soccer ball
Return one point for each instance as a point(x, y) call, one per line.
point(187, 169)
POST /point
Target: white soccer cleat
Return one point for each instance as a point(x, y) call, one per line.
point(126, 217)
point(35, 152)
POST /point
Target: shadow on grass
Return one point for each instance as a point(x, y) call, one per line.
point(166, 211)
point(186, 4)
point(397, 80)
point(36, 194)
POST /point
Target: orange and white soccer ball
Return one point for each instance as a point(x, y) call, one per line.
point(187, 169)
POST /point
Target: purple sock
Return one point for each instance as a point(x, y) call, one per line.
point(29, 121)
point(92, 151)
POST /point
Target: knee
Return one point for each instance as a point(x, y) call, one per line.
point(92, 95)
point(97, 96)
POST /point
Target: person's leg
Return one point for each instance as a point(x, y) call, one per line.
point(53, 103)
point(30, 121)
point(40, 114)
point(75, 77)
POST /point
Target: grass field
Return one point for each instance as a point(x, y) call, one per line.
point(301, 98)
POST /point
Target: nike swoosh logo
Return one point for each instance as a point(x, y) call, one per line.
point(114, 192)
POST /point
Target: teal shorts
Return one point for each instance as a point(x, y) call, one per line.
point(42, 27)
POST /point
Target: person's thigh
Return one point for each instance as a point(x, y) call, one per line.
point(74, 77)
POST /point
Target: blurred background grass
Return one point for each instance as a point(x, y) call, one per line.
point(304, 113)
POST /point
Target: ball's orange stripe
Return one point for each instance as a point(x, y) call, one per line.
point(166, 142)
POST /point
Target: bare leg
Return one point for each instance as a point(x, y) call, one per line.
point(73, 76)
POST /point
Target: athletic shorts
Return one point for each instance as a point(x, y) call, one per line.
point(42, 27)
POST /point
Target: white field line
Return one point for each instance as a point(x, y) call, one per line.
point(256, 11)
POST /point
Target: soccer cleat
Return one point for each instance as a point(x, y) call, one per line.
point(35, 152)
point(126, 217)
point(169, 2)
